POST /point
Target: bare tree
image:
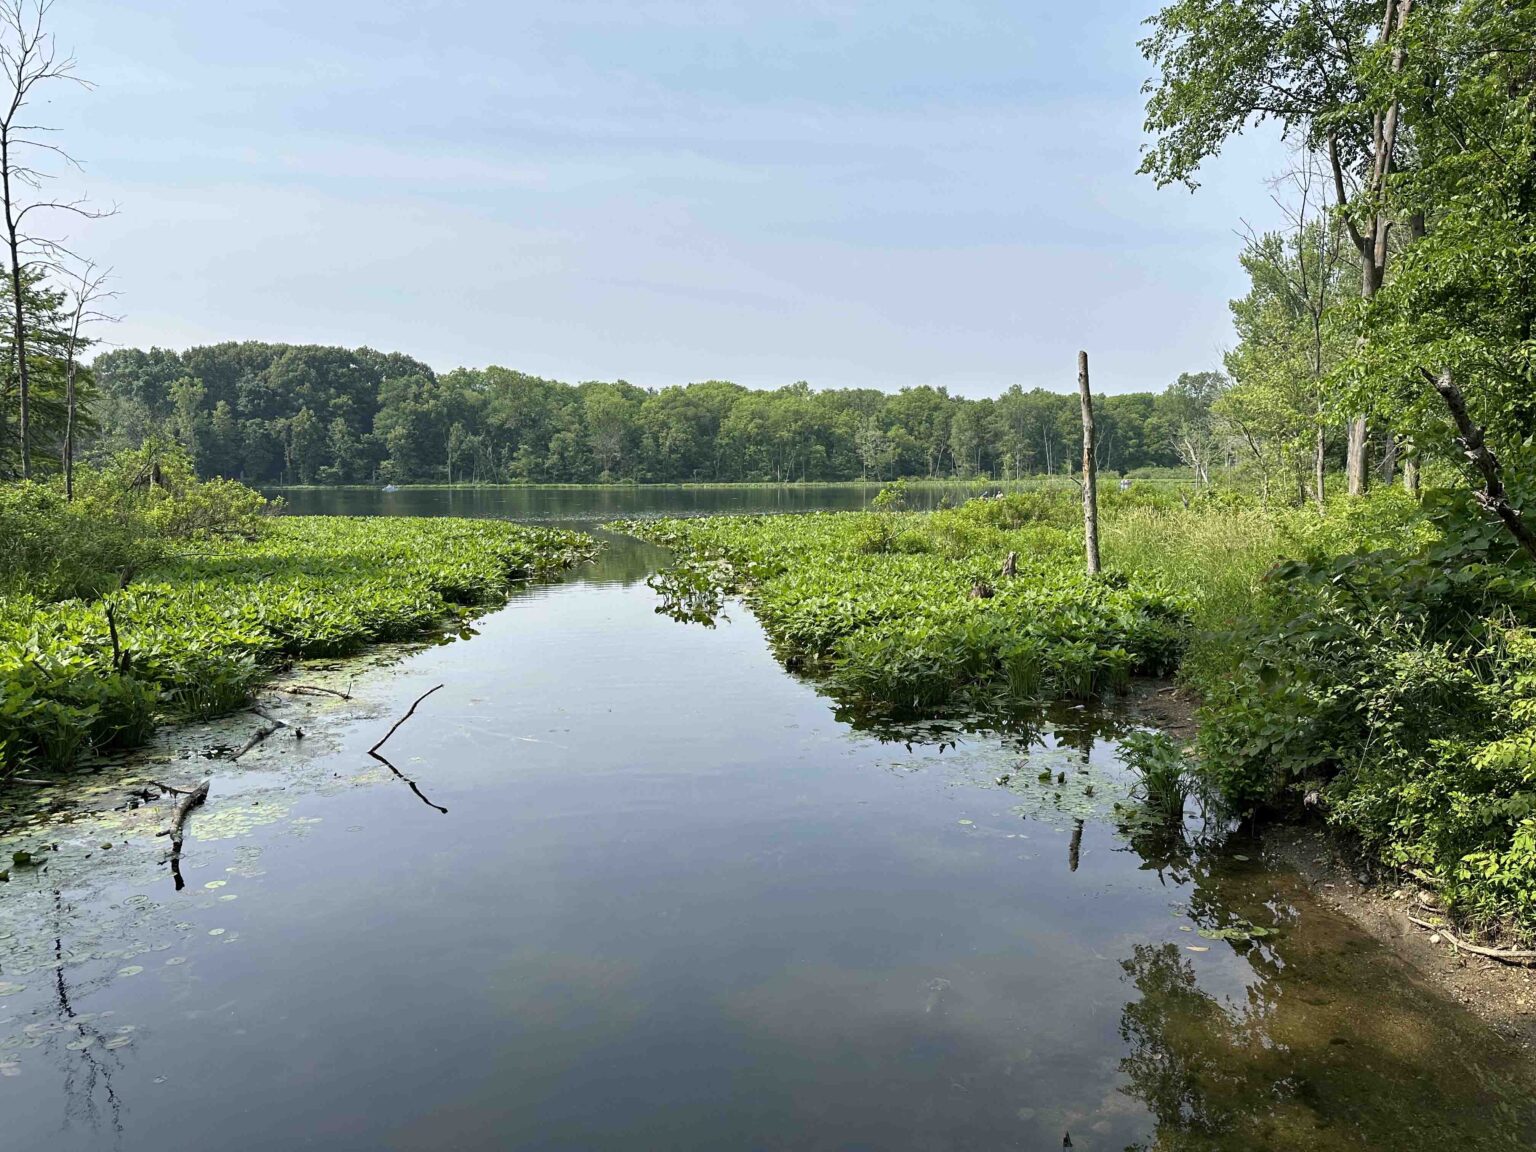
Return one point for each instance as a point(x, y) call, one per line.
point(1306, 274)
point(1090, 470)
point(86, 293)
point(29, 59)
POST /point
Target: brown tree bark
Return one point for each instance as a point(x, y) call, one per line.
point(1493, 497)
point(1372, 243)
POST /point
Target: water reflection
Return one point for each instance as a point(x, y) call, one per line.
point(675, 902)
point(1310, 1036)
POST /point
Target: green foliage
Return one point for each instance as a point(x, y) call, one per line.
point(881, 604)
point(1163, 778)
point(271, 414)
point(217, 611)
point(1392, 685)
point(125, 516)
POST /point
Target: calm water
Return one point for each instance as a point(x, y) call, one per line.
point(674, 903)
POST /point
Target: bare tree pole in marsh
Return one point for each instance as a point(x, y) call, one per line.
point(29, 59)
point(86, 292)
point(1090, 470)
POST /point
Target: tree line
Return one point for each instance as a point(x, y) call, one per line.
point(275, 413)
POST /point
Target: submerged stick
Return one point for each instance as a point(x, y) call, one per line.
point(256, 738)
point(1507, 955)
point(188, 802)
point(409, 713)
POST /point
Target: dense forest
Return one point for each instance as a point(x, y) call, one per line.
point(274, 413)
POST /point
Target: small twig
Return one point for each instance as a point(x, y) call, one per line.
point(374, 752)
point(411, 712)
point(34, 781)
point(1507, 955)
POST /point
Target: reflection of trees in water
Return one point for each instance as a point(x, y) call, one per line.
point(1330, 1046)
point(89, 1065)
point(1182, 1062)
point(1024, 727)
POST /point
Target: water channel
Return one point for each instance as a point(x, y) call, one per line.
point(675, 902)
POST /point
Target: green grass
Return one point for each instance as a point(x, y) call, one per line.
point(207, 622)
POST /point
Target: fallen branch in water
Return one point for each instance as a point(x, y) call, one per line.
point(179, 818)
point(260, 734)
point(168, 788)
point(189, 801)
point(1507, 955)
point(374, 752)
point(316, 690)
point(409, 713)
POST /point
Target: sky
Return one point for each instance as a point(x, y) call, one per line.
point(856, 194)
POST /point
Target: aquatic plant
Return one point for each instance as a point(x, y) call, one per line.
point(885, 606)
point(201, 627)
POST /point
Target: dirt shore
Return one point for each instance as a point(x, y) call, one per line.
point(1502, 994)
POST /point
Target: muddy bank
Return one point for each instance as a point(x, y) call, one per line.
point(1503, 995)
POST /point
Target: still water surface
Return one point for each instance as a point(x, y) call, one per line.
point(675, 903)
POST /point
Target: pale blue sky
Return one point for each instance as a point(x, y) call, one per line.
point(852, 193)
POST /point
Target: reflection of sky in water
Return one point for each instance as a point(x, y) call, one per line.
point(675, 904)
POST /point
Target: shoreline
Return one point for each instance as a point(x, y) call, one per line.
point(1502, 995)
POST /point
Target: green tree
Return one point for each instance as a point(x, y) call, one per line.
point(1327, 71)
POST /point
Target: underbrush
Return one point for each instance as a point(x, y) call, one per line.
point(216, 602)
point(1394, 689)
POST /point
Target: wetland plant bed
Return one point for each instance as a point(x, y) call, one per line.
point(908, 614)
point(194, 634)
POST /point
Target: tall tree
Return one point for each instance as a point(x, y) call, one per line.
point(1453, 347)
point(1328, 71)
point(29, 60)
point(1289, 328)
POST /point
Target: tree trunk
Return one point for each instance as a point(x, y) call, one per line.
point(1355, 463)
point(1389, 460)
point(1493, 496)
point(1090, 470)
point(1320, 470)
point(69, 430)
point(18, 313)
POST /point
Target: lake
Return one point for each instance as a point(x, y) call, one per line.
point(675, 902)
